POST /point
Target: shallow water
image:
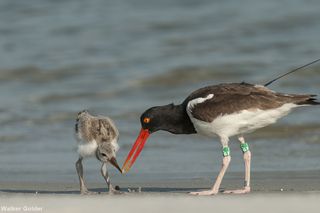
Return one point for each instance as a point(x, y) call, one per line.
point(118, 58)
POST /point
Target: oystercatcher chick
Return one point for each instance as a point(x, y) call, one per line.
point(223, 110)
point(96, 136)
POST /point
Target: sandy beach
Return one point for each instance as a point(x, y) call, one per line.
point(167, 202)
point(119, 58)
point(272, 192)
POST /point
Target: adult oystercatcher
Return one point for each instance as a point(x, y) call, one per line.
point(96, 136)
point(223, 110)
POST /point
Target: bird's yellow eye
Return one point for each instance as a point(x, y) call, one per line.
point(146, 120)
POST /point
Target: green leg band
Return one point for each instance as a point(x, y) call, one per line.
point(226, 151)
point(244, 147)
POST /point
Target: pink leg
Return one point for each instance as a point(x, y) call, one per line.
point(247, 162)
point(225, 163)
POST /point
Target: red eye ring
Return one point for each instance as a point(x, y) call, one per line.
point(146, 120)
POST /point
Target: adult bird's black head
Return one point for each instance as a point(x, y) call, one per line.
point(171, 118)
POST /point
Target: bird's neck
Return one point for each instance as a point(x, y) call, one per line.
point(177, 121)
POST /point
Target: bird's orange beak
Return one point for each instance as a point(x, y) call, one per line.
point(135, 150)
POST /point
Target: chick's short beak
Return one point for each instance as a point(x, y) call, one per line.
point(114, 162)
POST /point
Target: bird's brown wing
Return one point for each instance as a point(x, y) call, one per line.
point(232, 98)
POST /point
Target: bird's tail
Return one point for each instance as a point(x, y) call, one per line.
point(308, 100)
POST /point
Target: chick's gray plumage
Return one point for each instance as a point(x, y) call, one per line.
point(98, 133)
point(96, 136)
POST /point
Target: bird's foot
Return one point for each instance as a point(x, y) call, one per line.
point(87, 192)
point(113, 191)
point(244, 190)
point(205, 193)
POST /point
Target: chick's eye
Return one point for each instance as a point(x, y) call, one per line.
point(146, 120)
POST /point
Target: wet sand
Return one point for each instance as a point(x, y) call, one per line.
point(272, 192)
point(261, 182)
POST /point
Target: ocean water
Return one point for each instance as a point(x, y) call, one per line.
point(118, 58)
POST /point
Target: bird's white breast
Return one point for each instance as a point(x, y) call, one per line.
point(240, 122)
point(87, 149)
